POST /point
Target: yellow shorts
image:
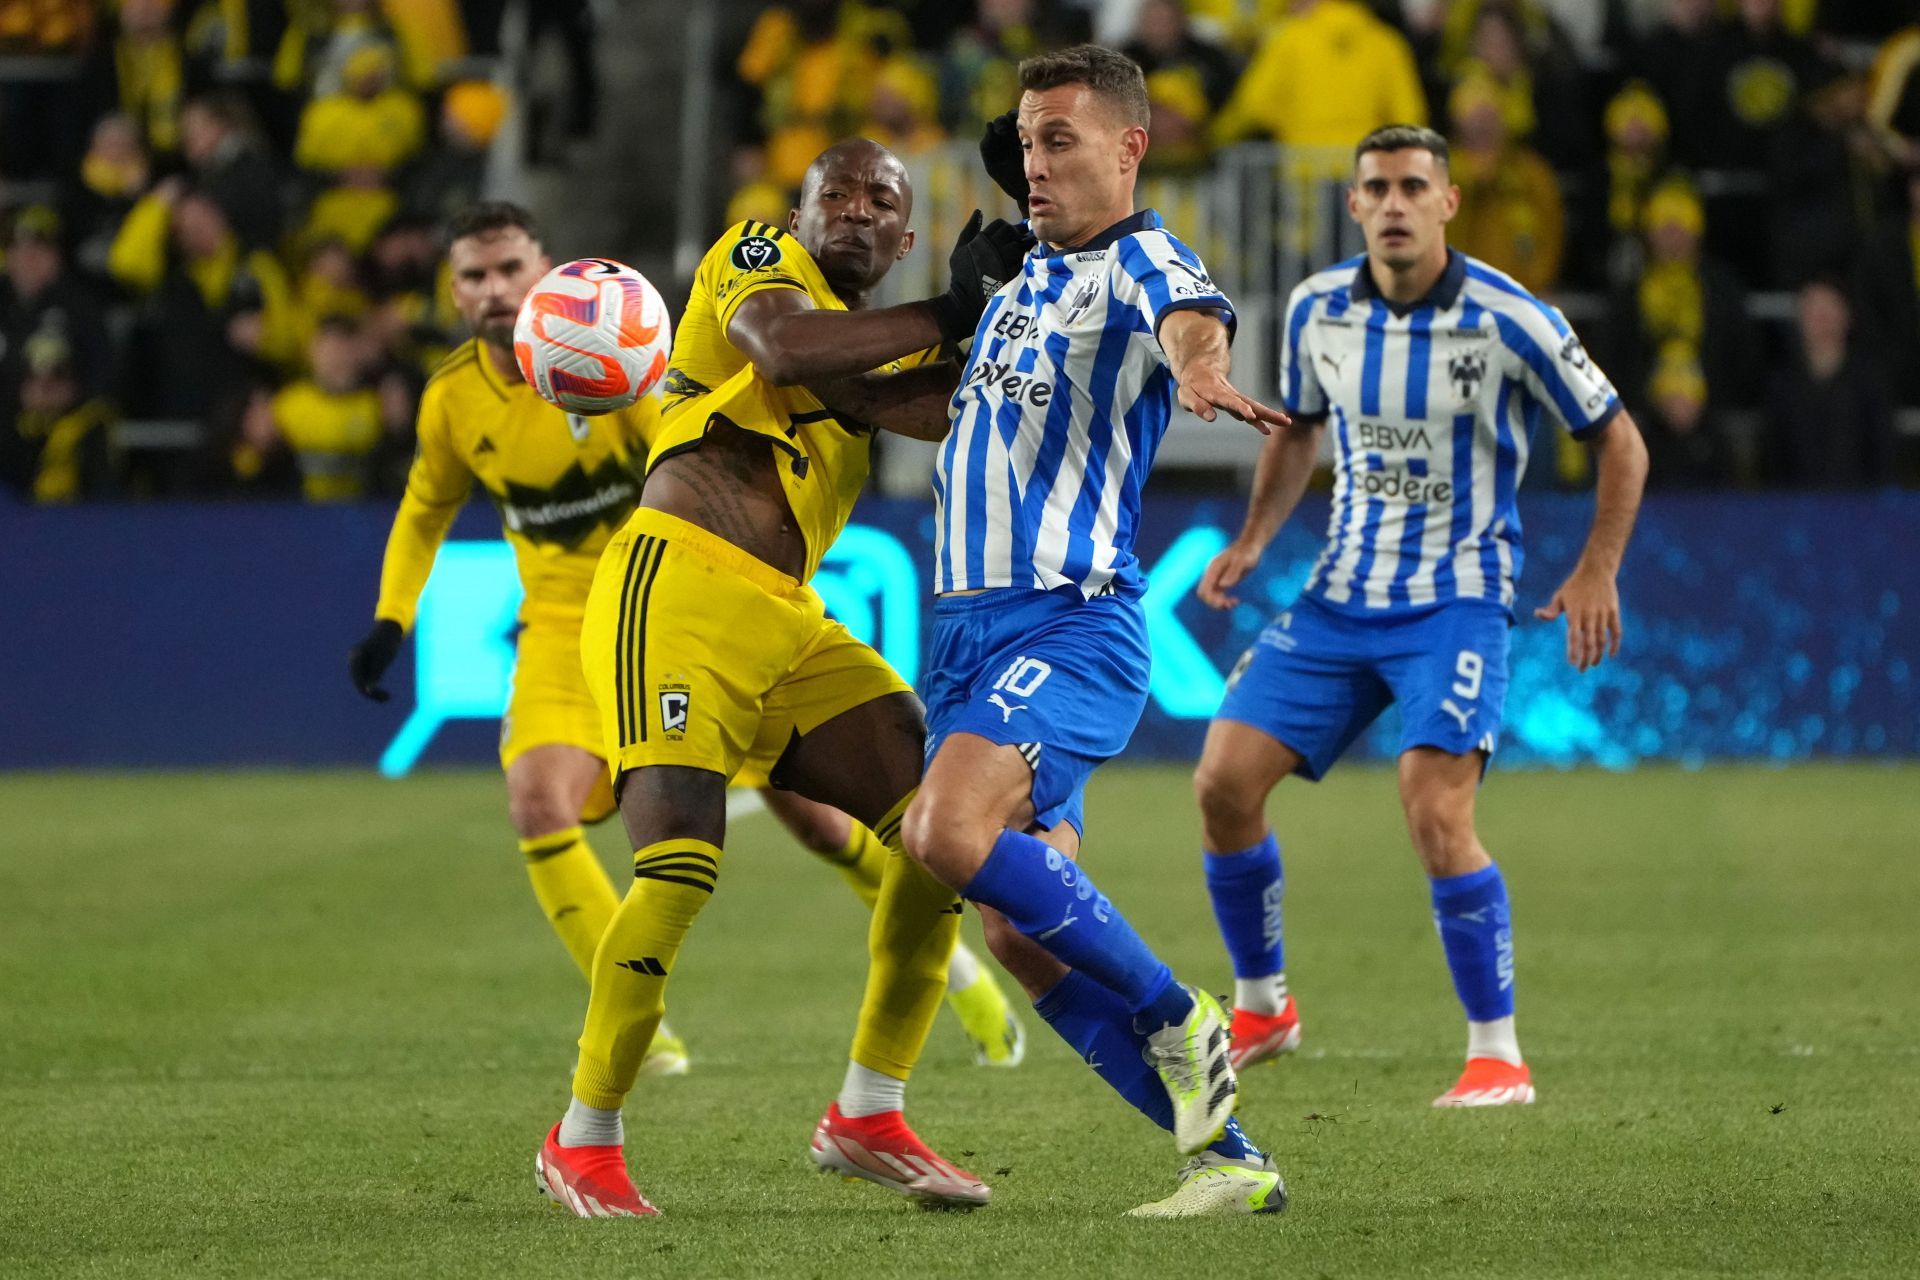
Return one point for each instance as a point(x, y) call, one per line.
point(700, 655)
point(550, 703)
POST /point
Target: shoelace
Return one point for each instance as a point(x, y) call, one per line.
point(1174, 1064)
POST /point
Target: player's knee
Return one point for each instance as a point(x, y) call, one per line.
point(1443, 837)
point(944, 838)
point(1229, 801)
point(535, 811)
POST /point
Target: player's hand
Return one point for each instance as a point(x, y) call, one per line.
point(1226, 572)
point(370, 658)
point(983, 258)
point(1591, 603)
point(1206, 393)
point(1005, 162)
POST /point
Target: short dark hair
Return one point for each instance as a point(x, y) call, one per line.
point(1403, 137)
point(1110, 74)
point(490, 217)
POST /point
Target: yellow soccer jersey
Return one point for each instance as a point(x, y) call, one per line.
point(562, 482)
point(710, 380)
point(331, 435)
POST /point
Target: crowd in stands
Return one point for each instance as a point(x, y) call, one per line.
point(1731, 187)
point(220, 225)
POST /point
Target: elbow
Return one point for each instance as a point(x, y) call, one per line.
point(779, 368)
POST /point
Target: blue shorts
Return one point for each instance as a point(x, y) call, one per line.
point(1061, 677)
point(1316, 678)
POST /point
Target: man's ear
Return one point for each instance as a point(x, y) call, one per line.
point(1133, 146)
point(906, 245)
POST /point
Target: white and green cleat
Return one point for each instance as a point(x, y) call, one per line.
point(992, 1028)
point(1212, 1186)
point(1191, 1058)
point(667, 1055)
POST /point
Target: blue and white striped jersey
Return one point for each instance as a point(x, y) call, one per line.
point(1432, 409)
point(1065, 397)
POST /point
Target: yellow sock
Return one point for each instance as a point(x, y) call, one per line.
point(861, 863)
point(915, 923)
point(672, 880)
point(573, 890)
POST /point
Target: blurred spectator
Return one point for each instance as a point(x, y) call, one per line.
point(1824, 171)
point(1636, 129)
point(358, 136)
point(1497, 57)
point(211, 310)
point(113, 174)
point(1761, 69)
point(1893, 106)
point(328, 287)
point(1676, 58)
point(55, 446)
point(903, 108)
point(1685, 297)
point(402, 276)
point(1830, 416)
point(331, 420)
point(39, 296)
point(448, 177)
point(979, 76)
point(811, 63)
point(1327, 75)
point(1684, 447)
point(1510, 214)
point(756, 196)
point(224, 152)
point(322, 37)
point(1539, 85)
point(143, 70)
point(1188, 80)
point(45, 26)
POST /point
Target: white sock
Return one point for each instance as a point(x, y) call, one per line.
point(1266, 995)
point(585, 1126)
point(867, 1093)
point(963, 970)
point(1494, 1039)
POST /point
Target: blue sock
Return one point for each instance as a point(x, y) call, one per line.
point(1099, 1026)
point(1477, 935)
point(1246, 889)
point(1049, 899)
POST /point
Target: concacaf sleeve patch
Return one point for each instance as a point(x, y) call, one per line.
point(750, 253)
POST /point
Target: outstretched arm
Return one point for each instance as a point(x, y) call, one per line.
point(790, 341)
point(1590, 597)
point(1279, 478)
point(910, 403)
point(1195, 341)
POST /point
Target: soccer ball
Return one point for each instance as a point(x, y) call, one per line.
point(592, 336)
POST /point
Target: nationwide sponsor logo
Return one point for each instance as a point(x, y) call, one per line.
point(565, 512)
point(1001, 376)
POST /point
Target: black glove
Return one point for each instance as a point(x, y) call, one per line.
point(983, 259)
point(372, 656)
point(1006, 164)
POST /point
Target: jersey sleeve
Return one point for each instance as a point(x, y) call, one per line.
point(1556, 369)
point(748, 259)
point(1159, 275)
point(437, 487)
point(1301, 394)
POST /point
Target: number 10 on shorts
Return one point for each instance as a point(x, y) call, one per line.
point(1024, 676)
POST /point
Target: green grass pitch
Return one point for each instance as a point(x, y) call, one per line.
point(313, 1025)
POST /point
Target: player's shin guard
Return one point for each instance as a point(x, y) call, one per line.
point(1049, 898)
point(862, 862)
point(573, 890)
point(1246, 889)
point(672, 880)
point(1098, 1025)
point(915, 923)
point(1477, 934)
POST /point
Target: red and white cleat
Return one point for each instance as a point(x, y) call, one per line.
point(1489, 1082)
point(1260, 1036)
point(883, 1150)
point(589, 1182)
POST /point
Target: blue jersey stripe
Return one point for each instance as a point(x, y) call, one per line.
point(1504, 455)
point(1446, 583)
point(1370, 364)
point(1135, 262)
point(1521, 343)
point(1419, 357)
point(1414, 529)
point(1485, 276)
point(1121, 326)
point(1295, 323)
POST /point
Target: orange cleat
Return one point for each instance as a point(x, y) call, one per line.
point(883, 1150)
point(589, 1182)
point(1260, 1036)
point(1489, 1082)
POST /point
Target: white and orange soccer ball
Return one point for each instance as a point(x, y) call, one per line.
point(592, 336)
